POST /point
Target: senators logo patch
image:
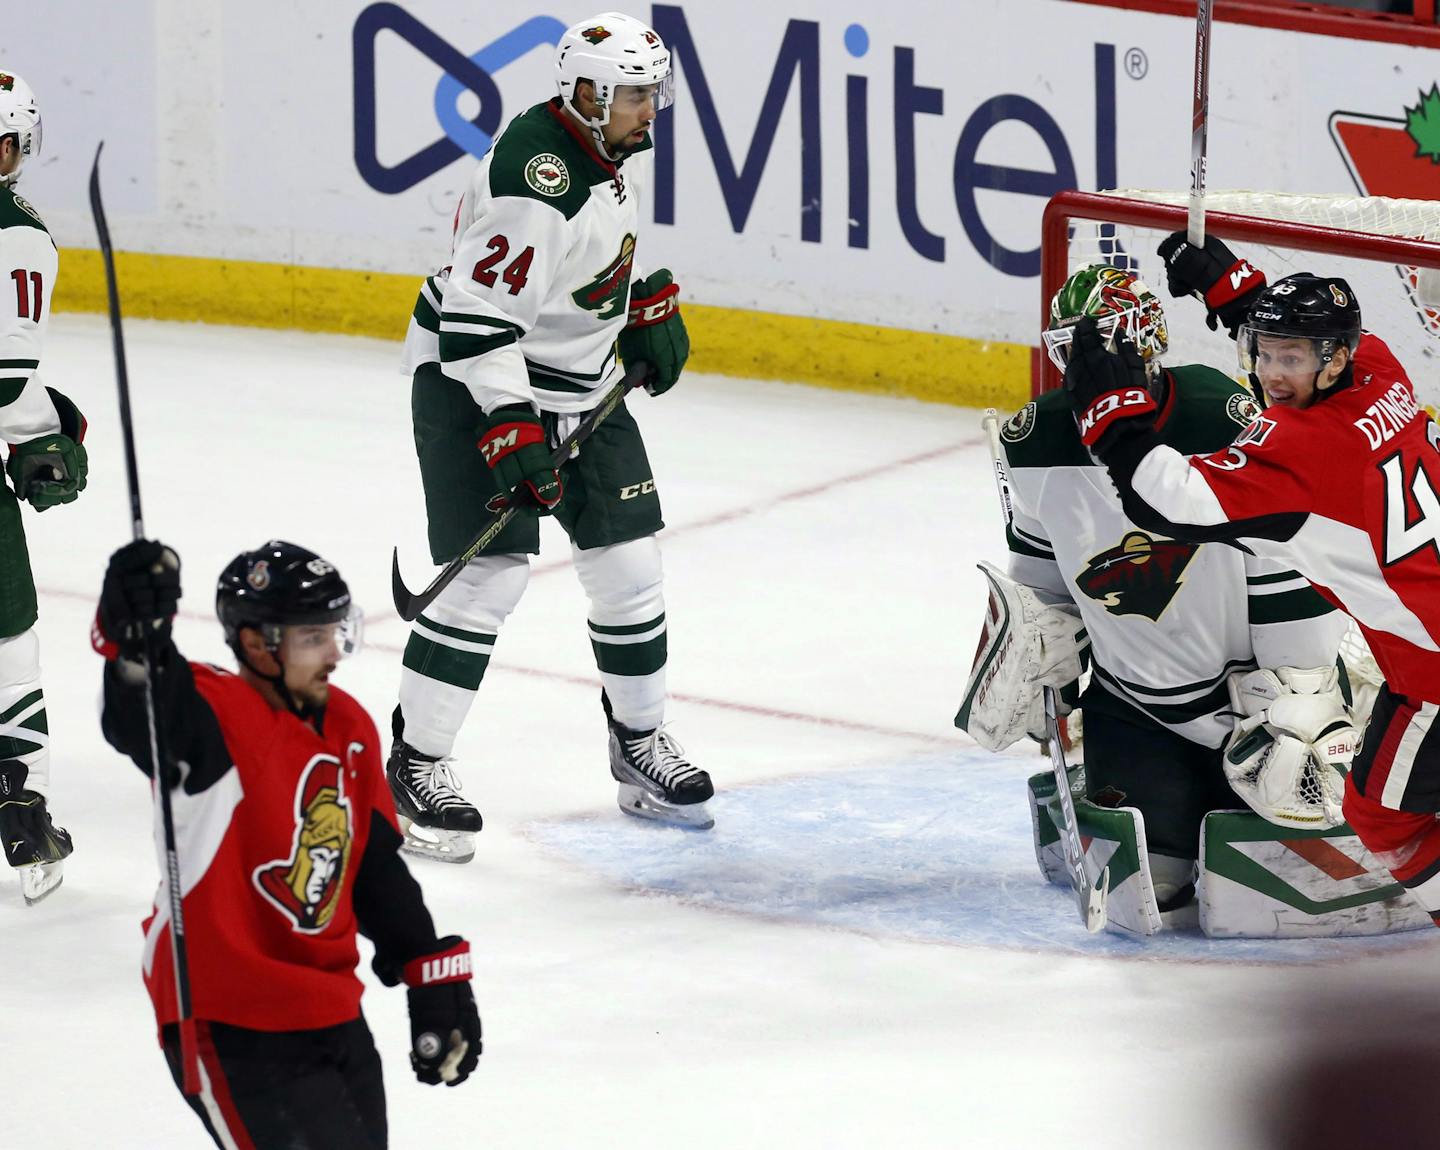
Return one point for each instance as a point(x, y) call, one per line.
point(306, 886)
point(1139, 577)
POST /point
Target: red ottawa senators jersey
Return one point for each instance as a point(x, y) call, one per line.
point(269, 855)
point(1345, 492)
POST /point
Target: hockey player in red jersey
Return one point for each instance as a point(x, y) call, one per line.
point(288, 844)
point(1338, 477)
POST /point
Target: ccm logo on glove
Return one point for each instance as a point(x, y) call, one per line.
point(1096, 417)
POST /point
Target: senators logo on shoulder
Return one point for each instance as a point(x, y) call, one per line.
point(306, 886)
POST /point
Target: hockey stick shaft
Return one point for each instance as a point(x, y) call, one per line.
point(409, 604)
point(1199, 118)
point(1089, 898)
point(189, 1050)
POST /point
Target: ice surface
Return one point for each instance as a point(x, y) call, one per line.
point(861, 954)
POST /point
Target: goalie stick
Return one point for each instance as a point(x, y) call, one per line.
point(1089, 898)
point(159, 758)
point(409, 604)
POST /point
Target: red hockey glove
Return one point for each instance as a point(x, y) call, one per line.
point(1226, 284)
point(1108, 389)
point(514, 447)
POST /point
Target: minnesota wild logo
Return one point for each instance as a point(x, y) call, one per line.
point(596, 34)
point(1140, 576)
point(7, 82)
point(607, 294)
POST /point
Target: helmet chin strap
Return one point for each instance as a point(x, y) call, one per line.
point(597, 133)
point(302, 711)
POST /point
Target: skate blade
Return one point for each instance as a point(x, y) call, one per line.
point(639, 802)
point(40, 880)
point(436, 844)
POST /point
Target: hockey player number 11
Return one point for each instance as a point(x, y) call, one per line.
point(29, 294)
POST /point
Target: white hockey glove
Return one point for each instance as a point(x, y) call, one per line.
point(1024, 646)
point(1293, 735)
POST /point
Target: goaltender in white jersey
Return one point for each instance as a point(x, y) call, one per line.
point(1188, 645)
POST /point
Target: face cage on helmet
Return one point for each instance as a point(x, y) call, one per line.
point(1247, 346)
point(1057, 340)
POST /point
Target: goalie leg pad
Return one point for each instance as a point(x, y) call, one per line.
point(1045, 821)
point(1258, 880)
point(1115, 838)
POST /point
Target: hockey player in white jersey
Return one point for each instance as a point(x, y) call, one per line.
point(510, 345)
point(1181, 637)
point(46, 467)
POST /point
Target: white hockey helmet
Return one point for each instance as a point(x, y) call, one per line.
point(611, 50)
point(19, 117)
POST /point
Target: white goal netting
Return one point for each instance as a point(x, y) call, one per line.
point(1350, 236)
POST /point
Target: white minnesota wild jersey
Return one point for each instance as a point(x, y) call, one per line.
point(1167, 621)
point(541, 261)
point(29, 260)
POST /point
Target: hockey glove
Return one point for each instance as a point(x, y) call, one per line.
point(140, 595)
point(656, 333)
point(1108, 390)
point(444, 1024)
point(1226, 284)
point(514, 446)
point(52, 469)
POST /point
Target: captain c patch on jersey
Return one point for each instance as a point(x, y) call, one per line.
point(306, 886)
point(1140, 576)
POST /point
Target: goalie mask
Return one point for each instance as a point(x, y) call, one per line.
point(615, 53)
point(1298, 325)
point(19, 120)
point(1119, 302)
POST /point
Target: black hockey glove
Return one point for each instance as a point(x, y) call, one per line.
point(1226, 284)
point(514, 446)
point(1108, 390)
point(444, 1024)
point(52, 469)
point(655, 333)
point(141, 593)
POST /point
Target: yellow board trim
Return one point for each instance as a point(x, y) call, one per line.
point(725, 341)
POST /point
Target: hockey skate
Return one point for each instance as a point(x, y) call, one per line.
point(437, 822)
point(656, 780)
point(34, 845)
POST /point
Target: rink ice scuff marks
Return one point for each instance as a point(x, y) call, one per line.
point(935, 848)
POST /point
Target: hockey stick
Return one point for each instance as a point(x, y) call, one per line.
point(189, 1051)
point(1089, 898)
point(410, 605)
point(1199, 117)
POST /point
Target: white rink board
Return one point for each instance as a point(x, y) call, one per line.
point(233, 133)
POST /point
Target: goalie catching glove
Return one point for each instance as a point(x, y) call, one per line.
point(1024, 646)
point(1293, 735)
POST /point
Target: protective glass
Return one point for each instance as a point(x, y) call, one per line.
point(630, 95)
point(1279, 354)
point(311, 642)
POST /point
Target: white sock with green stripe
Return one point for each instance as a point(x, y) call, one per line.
point(24, 730)
point(627, 627)
point(450, 646)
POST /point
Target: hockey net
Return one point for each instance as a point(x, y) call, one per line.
point(1388, 249)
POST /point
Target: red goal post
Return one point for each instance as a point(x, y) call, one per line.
point(1389, 249)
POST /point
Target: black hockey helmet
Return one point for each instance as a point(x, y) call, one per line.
point(280, 585)
point(1321, 309)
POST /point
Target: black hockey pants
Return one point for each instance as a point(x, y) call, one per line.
point(287, 1090)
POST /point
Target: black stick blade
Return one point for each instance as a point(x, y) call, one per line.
point(405, 603)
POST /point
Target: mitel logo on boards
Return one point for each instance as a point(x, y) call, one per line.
point(887, 110)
